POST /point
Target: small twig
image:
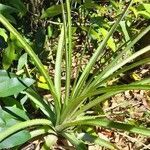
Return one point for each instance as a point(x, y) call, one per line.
point(134, 140)
point(55, 23)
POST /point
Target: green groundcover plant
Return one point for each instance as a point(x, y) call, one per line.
point(68, 117)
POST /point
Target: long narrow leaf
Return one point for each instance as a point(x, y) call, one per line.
point(79, 144)
point(23, 125)
point(110, 91)
point(106, 96)
point(68, 52)
point(98, 53)
point(34, 97)
point(126, 68)
point(41, 131)
point(112, 66)
point(119, 65)
point(33, 56)
point(97, 141)
point(109, 124)
point(57, 78)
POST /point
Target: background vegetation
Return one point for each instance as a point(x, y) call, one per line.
point(75, 74)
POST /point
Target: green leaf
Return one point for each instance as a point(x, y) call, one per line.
point(42, 85)
point(49, 31)
point(41, 103)
point(3, 34)
point(10, 101)
point(118, 62)
point(144, 14)
point(4, 75)
point(79, 100)
point(17, 112)
point(114, 88)
point(57, 78)
point(15, 140)
point(33, 56)
point(7, 9)
point(114, 4)
point(7, 121)
point(90, 4)
point(110, 43)
point(68, 44)
point(147, 7)
point(52, 11)
point(8, 56)
point(17, 43)
point(126, 68)
point(125, 61)
point(14, 86)
point(97, 140)
point(41, 130)
point(19, 6)
point(98, 53)
point(117, 125)
point(79, 144)
point(125, 31)
point(134, 10)
point(110, 124)
point(92, 32)
point(22, 125)
point(22, 61)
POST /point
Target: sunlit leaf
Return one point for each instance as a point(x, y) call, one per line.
point(22, 61)
point(14, 139)
point(144, 14)
point(14, 86)
point(147, 7)
point(97, 141)
point(8, 56)
point(79, 144)
point(111, 43)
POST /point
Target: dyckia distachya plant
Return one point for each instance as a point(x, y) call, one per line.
point(66, 115)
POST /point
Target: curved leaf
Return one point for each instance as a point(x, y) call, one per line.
point(7, 121)
point(15, 140)
point(98, 141)
point(79, 144)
